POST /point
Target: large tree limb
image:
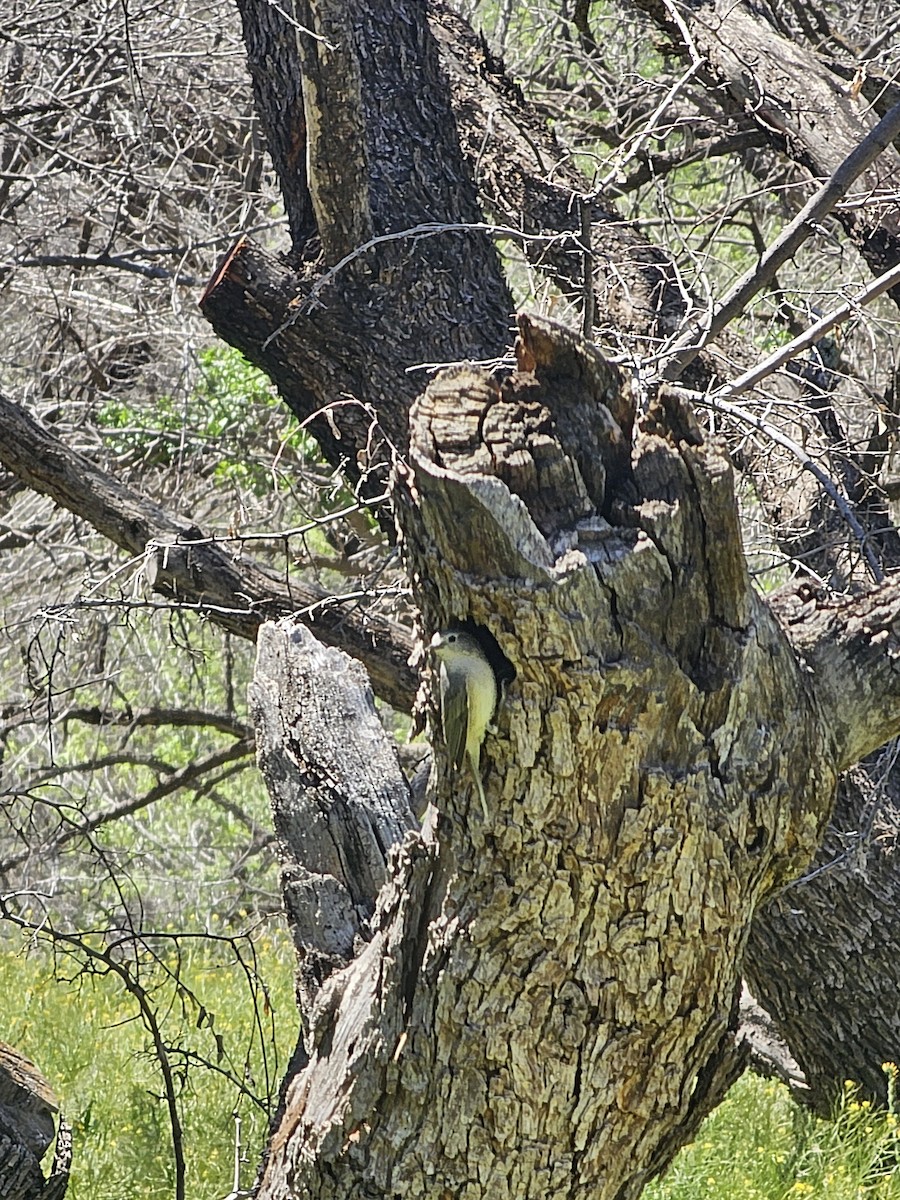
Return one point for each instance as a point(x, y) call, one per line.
point(526, 178)
point(201, 572)
point(822, 955)
point(270, 37)
point(335, 125)
point(852, 645)
point(331, 355)
point(791, 94)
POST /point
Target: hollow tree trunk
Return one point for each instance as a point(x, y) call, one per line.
point(342, 337)
point(546, 1004)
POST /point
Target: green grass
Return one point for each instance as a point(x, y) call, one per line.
point(758, 1145)
point(87, 1037)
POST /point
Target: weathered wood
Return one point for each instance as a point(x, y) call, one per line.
point(510, 155)
point(851, 645)
point(339, 798)
point(548, 1005)
point(27, 1126)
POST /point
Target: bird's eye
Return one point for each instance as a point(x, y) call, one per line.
point(452, 637)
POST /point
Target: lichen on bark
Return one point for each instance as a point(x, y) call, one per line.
point(548, 1002)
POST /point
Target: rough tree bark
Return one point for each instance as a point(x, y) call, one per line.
point(824, 958)
point(343, 337)
point(638, 296)
point(823, 955)
point(27, 1129)
point(382, 156)
point(547, 1003)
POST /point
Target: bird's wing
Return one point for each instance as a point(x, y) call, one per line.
point(455, 715)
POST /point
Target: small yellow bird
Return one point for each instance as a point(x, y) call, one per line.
point(468, 689)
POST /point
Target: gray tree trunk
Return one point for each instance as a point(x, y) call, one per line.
point(822, 956)
point(546, 1002)
point(300, 329)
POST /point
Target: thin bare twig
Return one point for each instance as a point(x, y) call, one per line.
point(140, 717)
point(193, 773)
point(699, 333)
point(656, 116)
point(736, 412)
point(117, 261)
point(809, 336)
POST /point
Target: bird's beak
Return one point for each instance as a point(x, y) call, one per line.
point(436, 642)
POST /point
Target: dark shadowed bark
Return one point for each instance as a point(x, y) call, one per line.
point(822, 955)
point(346, 346)
point(27, 1130)
point(271, 42)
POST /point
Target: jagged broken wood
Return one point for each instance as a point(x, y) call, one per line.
point(547, 1002)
